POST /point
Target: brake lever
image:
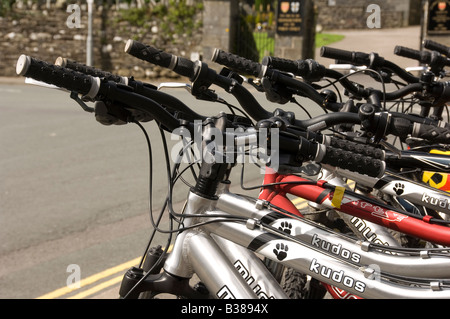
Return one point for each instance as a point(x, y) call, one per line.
point(74, 96)
point(175, 85)
point(277, 94)
point(391, 147)
point(255, 84)
point(43, 84)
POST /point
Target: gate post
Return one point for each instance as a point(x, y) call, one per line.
point(295, 30)
point(219, 21)
point(436, 21)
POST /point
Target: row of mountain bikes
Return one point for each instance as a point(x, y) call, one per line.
point(373, 167)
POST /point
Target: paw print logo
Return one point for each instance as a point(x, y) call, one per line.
point(399, 188)
point(285, 227)
point(281, 251)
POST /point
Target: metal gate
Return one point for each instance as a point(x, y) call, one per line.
point(255, 33)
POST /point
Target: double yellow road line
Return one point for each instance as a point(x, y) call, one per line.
point(84, 283)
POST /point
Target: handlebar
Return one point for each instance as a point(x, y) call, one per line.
point(435, 46)
point(241, 64)
point(203, 77)
point(245, 97)
point(85, 69)
point(111, 91)
point(238, 63)
point(434, 59)
point(309, 70)
point(431, 133)
point(354, 57)
point(345, 154)
point(372, 60)
point(61, 77)
point(139, 87)
point(342, 154)
point(95, 89)
point(182, 66)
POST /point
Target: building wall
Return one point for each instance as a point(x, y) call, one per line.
point(219, 19)
point(43, 33)
point(351, 14)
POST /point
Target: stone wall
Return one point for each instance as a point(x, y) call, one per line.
point(219, 22)
point(44, 34)
point(351, 14)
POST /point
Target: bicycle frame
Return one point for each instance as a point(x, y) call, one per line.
point(354, 206)
point(395, 185)
point(209, 251)
point(238, 273)
point(367, 231)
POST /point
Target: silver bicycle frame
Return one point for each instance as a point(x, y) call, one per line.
point(229, 271)
point(208, 251)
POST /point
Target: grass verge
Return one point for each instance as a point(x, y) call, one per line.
point(327, 39)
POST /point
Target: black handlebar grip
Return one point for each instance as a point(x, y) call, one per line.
point(435, 46)
point(237, 63)
point(434, 134)
point(179, 65)
point(79, 67)
point(150, 54)
point(58, 76)
point(358, 58)
point(309, 69)
point(283, 65)
point(353, 162)
point(185, 67)
point(433, 58)
point(410, 53)
point(358, 148)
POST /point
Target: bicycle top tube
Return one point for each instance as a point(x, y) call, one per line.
point(267, 212)
point(353, 205)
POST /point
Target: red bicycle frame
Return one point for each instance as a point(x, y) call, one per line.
point(348, 203)
point(340, 199)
